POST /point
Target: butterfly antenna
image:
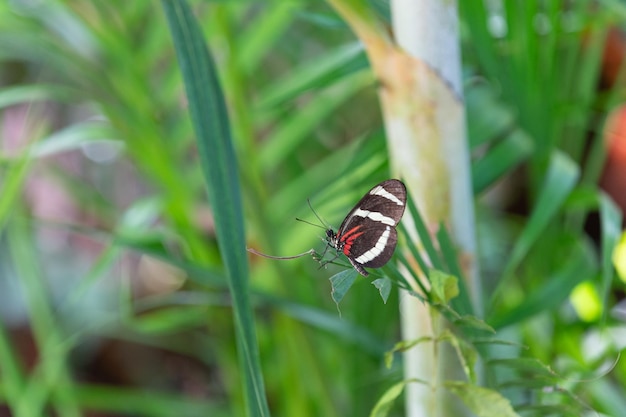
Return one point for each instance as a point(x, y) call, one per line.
point(316, 215)
point(308, 222)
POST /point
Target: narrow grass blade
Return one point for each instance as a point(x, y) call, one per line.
point(217, 156)
point(297, 129)
point(139, 402)
point(500, 159)
point(391, 271)
point(50, 382)
point(29, 93)
point(384, 404)
point(76, 137)
point(462, 304)
point(11, 186)
point(610, 221)
point(483, 402)
point(426, 240)
point(324, 70)
point(11, 375)
point(580, 266)
point(559, 182)
point(292, 196)
point(260, 37)
point(487, 117)
point(352, 333)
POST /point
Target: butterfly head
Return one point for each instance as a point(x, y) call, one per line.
point(331, 237)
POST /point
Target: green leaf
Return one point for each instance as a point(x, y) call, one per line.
point(608, 393)
point(267, 29)
point(298, 128)
point(51, 377)
point(481, 401)
point(341, 283)
point(425, 239)
point(10, 96)
point(474, 322)
point(333, 177)
point(444, 287)
point(487, 117)
point(140, 215)
point(76, 137)
point(11, 186)
point(559, 182)
point(319, 318)
point(450, 256)
point(557, 410)
point(13, 375)
point(529, 366)
point(141, 402)
point(611, 224)
point(384, 404)
point(465, 352)
point(501, 158)
point(403, 346)
point(392, 272)
point(328, 68)
point(534, 383)
point(170, 320)
point(384, 287)
point(579, 266)
point(219, 165)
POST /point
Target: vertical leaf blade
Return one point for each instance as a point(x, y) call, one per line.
point(219, 165)
point(611, 221)
point(559, 182)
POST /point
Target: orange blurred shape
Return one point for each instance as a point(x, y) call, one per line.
point(612, 57)
point(613, 179)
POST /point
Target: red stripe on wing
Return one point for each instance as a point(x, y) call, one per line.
point(349, 237)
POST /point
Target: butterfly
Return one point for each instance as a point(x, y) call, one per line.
point(368, 236)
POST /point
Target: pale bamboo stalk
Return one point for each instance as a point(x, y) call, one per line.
point(420, 77)
point(427, 30)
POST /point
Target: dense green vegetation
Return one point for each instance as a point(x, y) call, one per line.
point(144, 146)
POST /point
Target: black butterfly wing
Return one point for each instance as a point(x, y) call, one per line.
point(363, 252)
point(368, 234)
point(388, 198)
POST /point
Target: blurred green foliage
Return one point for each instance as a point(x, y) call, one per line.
point(113, 287)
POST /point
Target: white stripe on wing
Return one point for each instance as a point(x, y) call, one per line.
point(374, 215)
point(377, 249)
point(379, 190)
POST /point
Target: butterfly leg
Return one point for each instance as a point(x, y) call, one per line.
point(319, 257)
point(323, 264)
